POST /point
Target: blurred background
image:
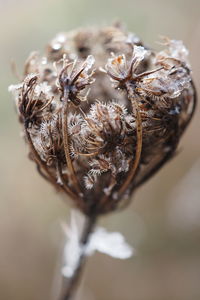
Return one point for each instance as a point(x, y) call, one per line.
point(163, 221)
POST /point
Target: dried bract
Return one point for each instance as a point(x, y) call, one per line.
point(74, 78)
point(102, 113)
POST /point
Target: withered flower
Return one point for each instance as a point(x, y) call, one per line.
point(102, 113)
point(74, 78)
point(98, 139)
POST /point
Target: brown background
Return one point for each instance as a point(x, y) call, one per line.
point(163, 222)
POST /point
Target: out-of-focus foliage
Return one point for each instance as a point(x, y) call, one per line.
point(162, 223)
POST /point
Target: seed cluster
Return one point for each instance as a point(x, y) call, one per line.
point(102, 113)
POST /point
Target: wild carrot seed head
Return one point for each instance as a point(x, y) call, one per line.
point(102, 113)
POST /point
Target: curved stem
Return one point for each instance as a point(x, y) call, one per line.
point(64, 185)
point(66, 142)
point(73, 282)
point(41, 166)
point(135, 107)
point(38, 160)
point(169, 155)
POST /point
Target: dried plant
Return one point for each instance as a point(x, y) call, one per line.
point(102, 113)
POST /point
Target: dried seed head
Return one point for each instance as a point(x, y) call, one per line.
point(102, 113)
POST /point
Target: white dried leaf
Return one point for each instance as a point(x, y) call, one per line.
point(111, 243)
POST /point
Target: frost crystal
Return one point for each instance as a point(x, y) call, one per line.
point(140, 53)
point(15, 87)
point(42, 88)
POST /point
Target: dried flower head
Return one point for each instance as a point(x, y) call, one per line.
point(102, 113)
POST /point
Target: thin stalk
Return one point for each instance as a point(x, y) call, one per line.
point(66, 141)
point(170, 154)
point(65, 186)
point(133, 98)
point(74, 281)
point(59, 170)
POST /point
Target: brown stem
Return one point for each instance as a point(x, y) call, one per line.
point(133, 98)
point(169, 155)
point(73, 282)
point(68, 191)
point(66, 142)
point(66, 187)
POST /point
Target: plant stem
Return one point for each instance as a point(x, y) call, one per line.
point(73, 282)
point(135, 107)
point(65, 133)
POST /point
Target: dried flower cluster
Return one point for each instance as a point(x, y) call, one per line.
point(102, 112)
